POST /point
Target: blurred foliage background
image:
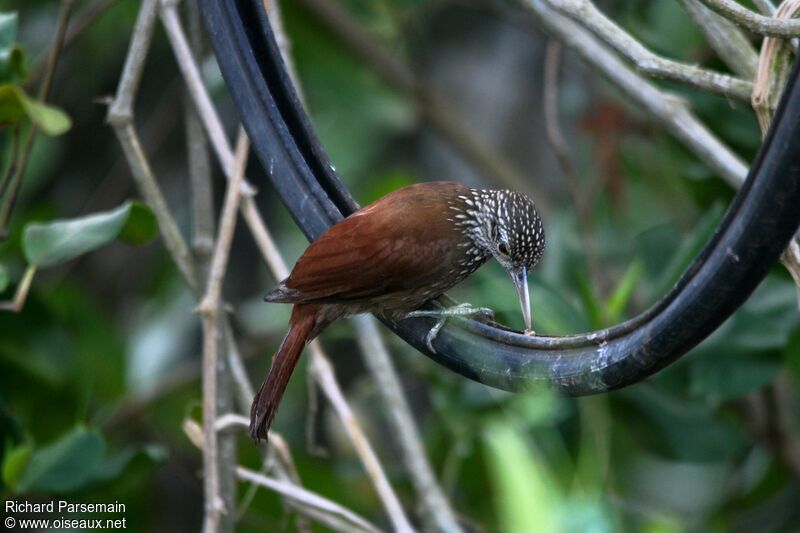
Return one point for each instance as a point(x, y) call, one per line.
point(102, 364)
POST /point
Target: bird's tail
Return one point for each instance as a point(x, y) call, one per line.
point(302, 325)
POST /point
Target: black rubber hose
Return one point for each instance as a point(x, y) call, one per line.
point(757, 227)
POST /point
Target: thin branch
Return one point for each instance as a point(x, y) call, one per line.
point(121, 109)
point(264, 241)
point(16, 304)
point(209, 309)
point(436, 509)
point(754, 22)
point(273, 10)
point(199, 163)
point(773, 69)
point(81, 21)
point(555, 138)
point(194, 83)
point(673, 113)
point(787, 441)
point(791, 261)
point(585, 13)
point(307, 503)
point(219, 260)
point(348, 520)
point(767, 415)
point(231, 421)
point(765, 6)
point(11, 170)
point(202, 212)
point(323, 372)
point(727, 39)
point(120, 116)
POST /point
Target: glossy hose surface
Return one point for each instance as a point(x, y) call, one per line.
point(759, 224)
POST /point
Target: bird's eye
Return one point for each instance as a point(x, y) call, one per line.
point(503, 249)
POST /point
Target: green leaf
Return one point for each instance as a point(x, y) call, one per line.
point(112, 467)
point(591, 303)
point(677, 428)
point(732, 373)
point(15, 104)
point(14, 463)
point(65, 465)
point(623, 292)
point(688, 249)
point(61, 240)
point(141, 226)
point(525, 496)
point(3, 278)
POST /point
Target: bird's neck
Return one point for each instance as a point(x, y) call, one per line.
point(471, 214)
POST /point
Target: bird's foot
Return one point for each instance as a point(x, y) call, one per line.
point(461, 310)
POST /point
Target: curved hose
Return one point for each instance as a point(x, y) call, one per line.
point(757, 227)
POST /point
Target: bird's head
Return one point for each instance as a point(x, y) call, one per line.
point(507, 226)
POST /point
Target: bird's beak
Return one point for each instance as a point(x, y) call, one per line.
point(520, 277)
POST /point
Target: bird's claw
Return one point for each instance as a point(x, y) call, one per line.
point(433, 333)
point(461, 310)
point(477, 312)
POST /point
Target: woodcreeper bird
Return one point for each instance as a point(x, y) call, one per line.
point(393, 256)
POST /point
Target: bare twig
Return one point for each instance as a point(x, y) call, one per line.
point(558, 144)
point(348, 520)
point(552, 129)
point(791, 261)
point(121, 109)
point(120, 116)
point(727, 39)
point(82, 20)
point(765, 6)
point(199, 163)
point(435, 508)
point(307, 503)
point(767, 414)
point(672, 112)
point(273, 10)
point(231, 421)
point(219, 260)
point(773, 69)
point(787, 440)
point(194, 83)
point(202, 211)
point(754, 22)
point(209, 309)
point(323, 371)
point(585, 13)
point(11, 170)
point(21, 294)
